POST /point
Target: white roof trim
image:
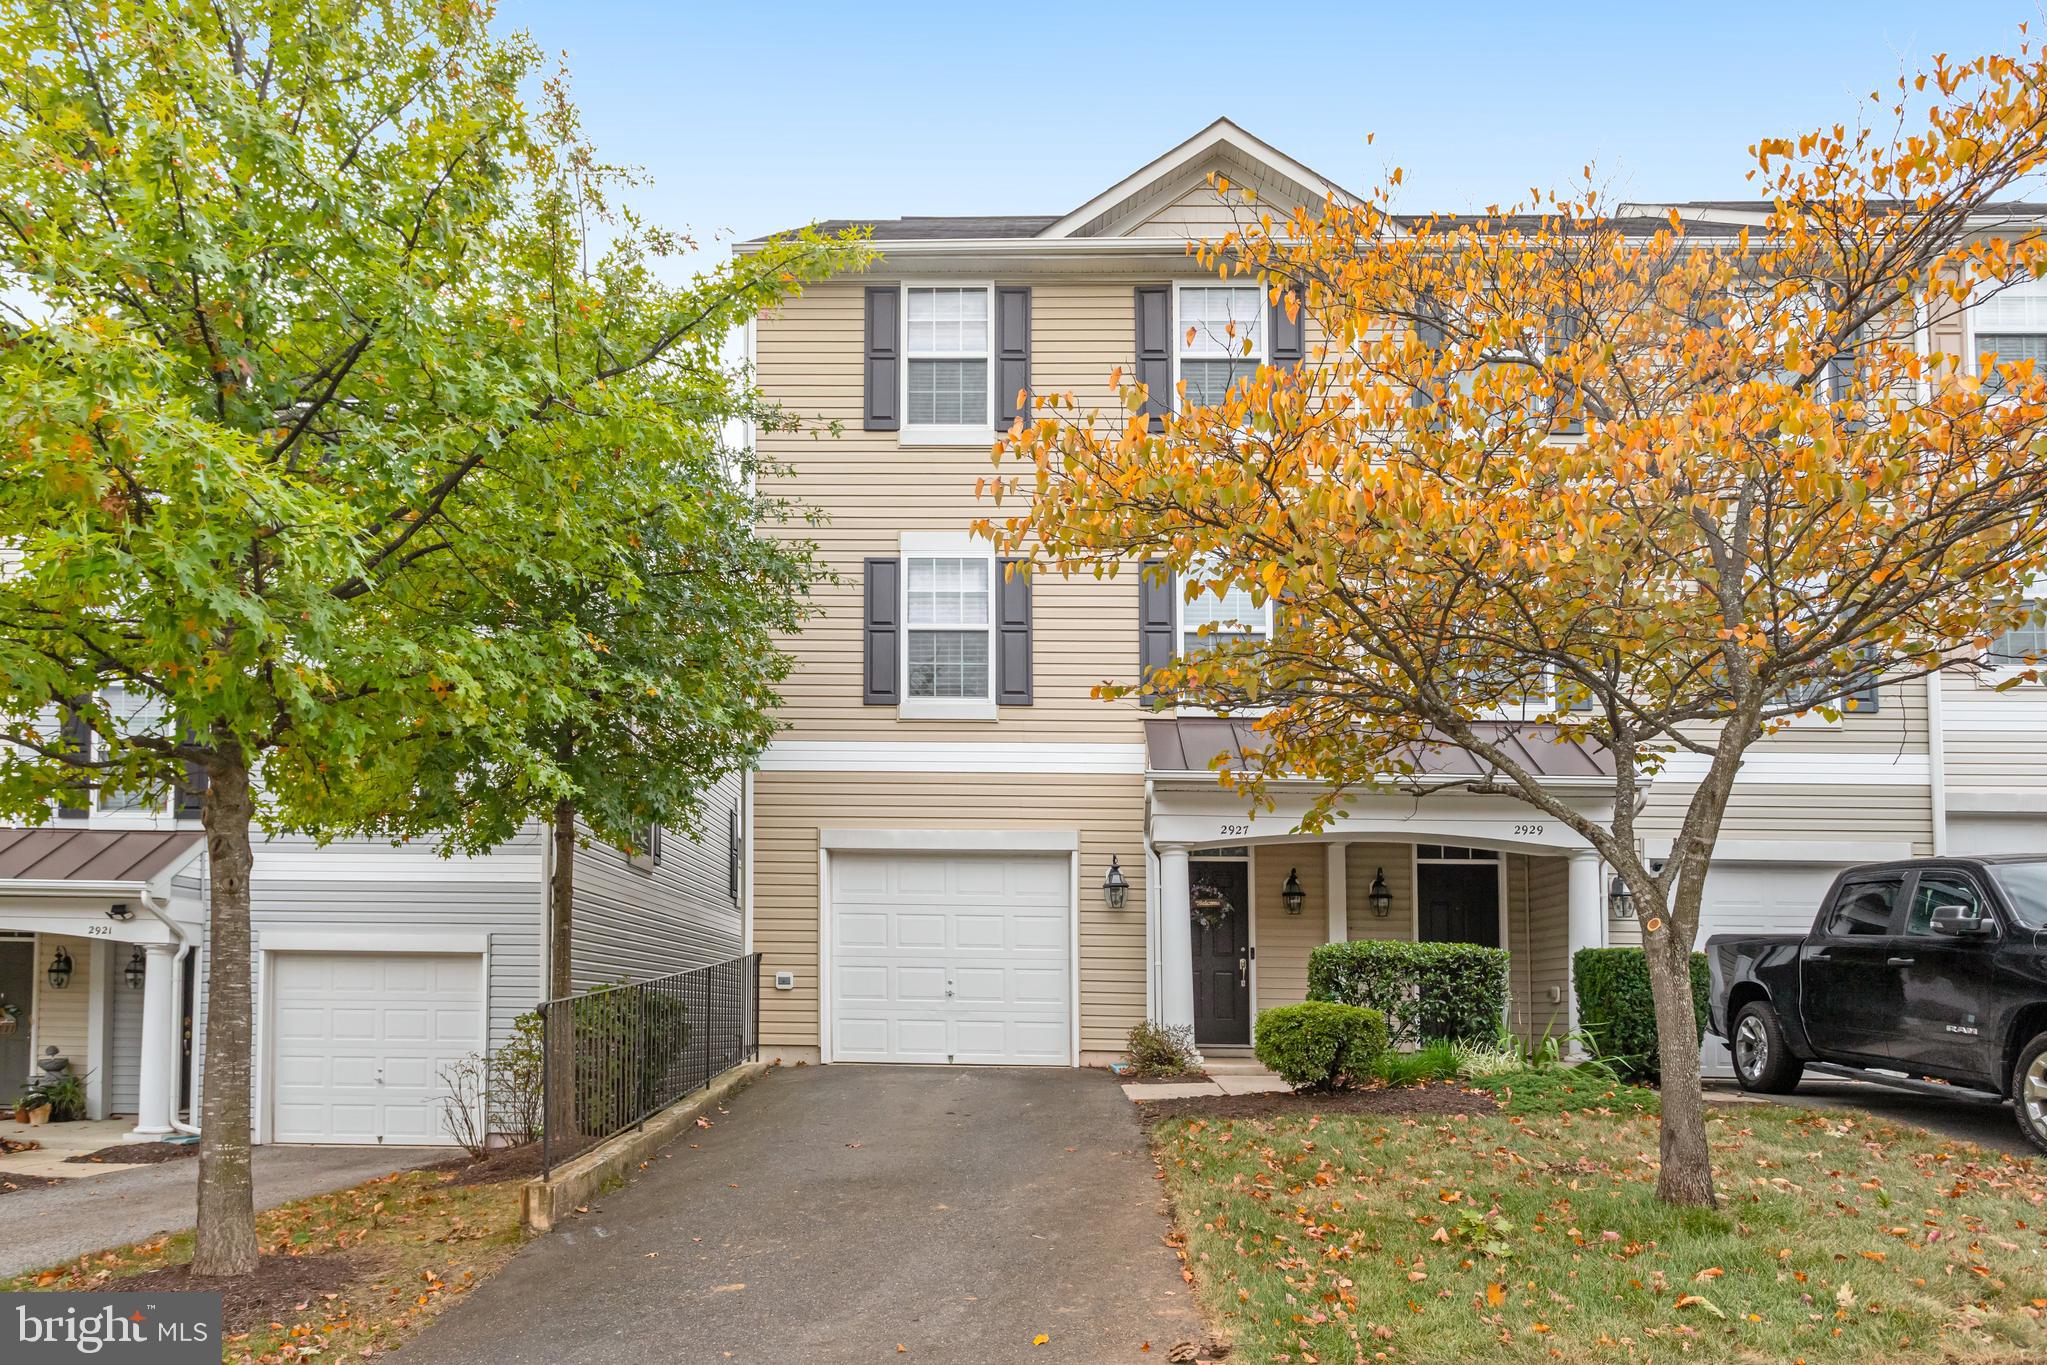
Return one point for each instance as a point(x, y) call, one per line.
point(1221, 133)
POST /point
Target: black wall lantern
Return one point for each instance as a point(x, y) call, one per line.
point(60, 970)
point(135, 972)
point(1115, 886)
point(1381, 899)
point(1290, 893)
point(1620, 902)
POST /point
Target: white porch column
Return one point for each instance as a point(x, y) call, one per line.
point(159, 1086)
point(1176, 939)
point(1339, 896)
point(1585, 921)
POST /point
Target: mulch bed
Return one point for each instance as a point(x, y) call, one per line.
point(1390, 1102)
point(506, 1163)
point(136, 1154)
point(280, 1287)
point(9, 1182)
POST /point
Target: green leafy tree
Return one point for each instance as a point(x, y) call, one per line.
point(308, 333)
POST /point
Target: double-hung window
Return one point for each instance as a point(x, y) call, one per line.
point(2024, 646)
point(948, 631)
point(1220, 338)
point(1208, 621)
point(130, 713)
point(2007, 325)
point(947, 338)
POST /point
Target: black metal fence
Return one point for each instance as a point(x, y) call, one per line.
point(616, 1056)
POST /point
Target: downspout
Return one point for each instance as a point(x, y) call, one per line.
point(1936, 762)
point(163, 913)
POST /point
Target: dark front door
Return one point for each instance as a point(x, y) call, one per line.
point(1222, 954)
point(17, 987)
point(1459, 903)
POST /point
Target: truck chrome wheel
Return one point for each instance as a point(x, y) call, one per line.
point(2035, 1095)
point(1752, 1050)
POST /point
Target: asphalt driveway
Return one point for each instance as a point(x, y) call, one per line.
point(836, 1213)
point(40, 1227)
point(1987, 1125)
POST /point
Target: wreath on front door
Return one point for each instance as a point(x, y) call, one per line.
point(1210, 906)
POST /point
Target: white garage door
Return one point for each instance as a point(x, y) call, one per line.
point(951, 959)
point(1758, 898)
point(359, 1040)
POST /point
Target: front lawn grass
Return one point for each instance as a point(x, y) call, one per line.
point(1537, 1236)
point(412, 1243)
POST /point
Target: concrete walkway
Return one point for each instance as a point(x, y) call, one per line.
point(838, 1212)
point(40, 1227)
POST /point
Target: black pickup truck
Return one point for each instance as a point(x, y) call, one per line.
point(1927, 974)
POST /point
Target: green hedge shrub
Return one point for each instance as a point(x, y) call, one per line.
point(1318, 1045)
point(1617, 1012)
point(1428, 991)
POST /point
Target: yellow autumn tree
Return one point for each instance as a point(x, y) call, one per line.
point(1653, 483)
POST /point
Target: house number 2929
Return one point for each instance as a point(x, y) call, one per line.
point(1528, 831)
point(1235, 829)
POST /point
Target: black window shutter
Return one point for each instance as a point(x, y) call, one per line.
point(1867, 699)
point(1155, 350)
point(78, 736)
point(189, 798)
point(1155, 593)
point(883, 586)
point(654, 842)
point(1289, 334)
point(884, 358)
point(1013, 629)
point(1012, 356)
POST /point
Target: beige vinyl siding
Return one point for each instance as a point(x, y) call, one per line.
point(791, 807)
point(872, 489)
point(1538, 939)
point(1994, 739)
point(1795, 813)
point(63, 1018)
point(1360, 863)
point(1284, 941)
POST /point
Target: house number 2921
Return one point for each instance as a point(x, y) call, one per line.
point(1235, 829)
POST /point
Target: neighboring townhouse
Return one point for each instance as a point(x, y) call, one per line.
point(376, 965)
point(935, 832)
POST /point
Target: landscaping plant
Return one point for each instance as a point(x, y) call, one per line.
point(326, 350)
point(1427, 991)
point(1617, 1012)
point(1639, 486)
point(1320, 1046)
point(1158, 1051)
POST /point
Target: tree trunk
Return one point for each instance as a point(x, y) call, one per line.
point(561, 905)
point(560, 1035)
point(227, 1194)
point(1686, 1173)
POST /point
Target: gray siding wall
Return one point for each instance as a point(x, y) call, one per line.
point(634, 921)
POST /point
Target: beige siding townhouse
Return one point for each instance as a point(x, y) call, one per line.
point(933, 832)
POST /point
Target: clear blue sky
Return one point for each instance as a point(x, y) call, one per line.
point(754, 116)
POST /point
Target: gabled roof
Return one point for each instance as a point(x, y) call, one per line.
point(1219, 137)
point(92, 855)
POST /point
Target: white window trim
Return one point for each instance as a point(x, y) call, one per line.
point(1263, 354)
point(1180, 644)
point(1995, 677)
point(162, 815)
point(1970, 359)
point(945, 545)
point(968, 435)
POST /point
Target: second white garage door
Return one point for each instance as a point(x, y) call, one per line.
point(1757, 898)
point(954, 958)
point(359, 1041)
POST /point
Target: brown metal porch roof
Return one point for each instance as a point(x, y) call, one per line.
point(91, 855)
point(1188, 744)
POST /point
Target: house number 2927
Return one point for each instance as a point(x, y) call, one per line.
point(1235, 829)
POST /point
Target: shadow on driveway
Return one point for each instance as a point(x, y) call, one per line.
point(837, 1212)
